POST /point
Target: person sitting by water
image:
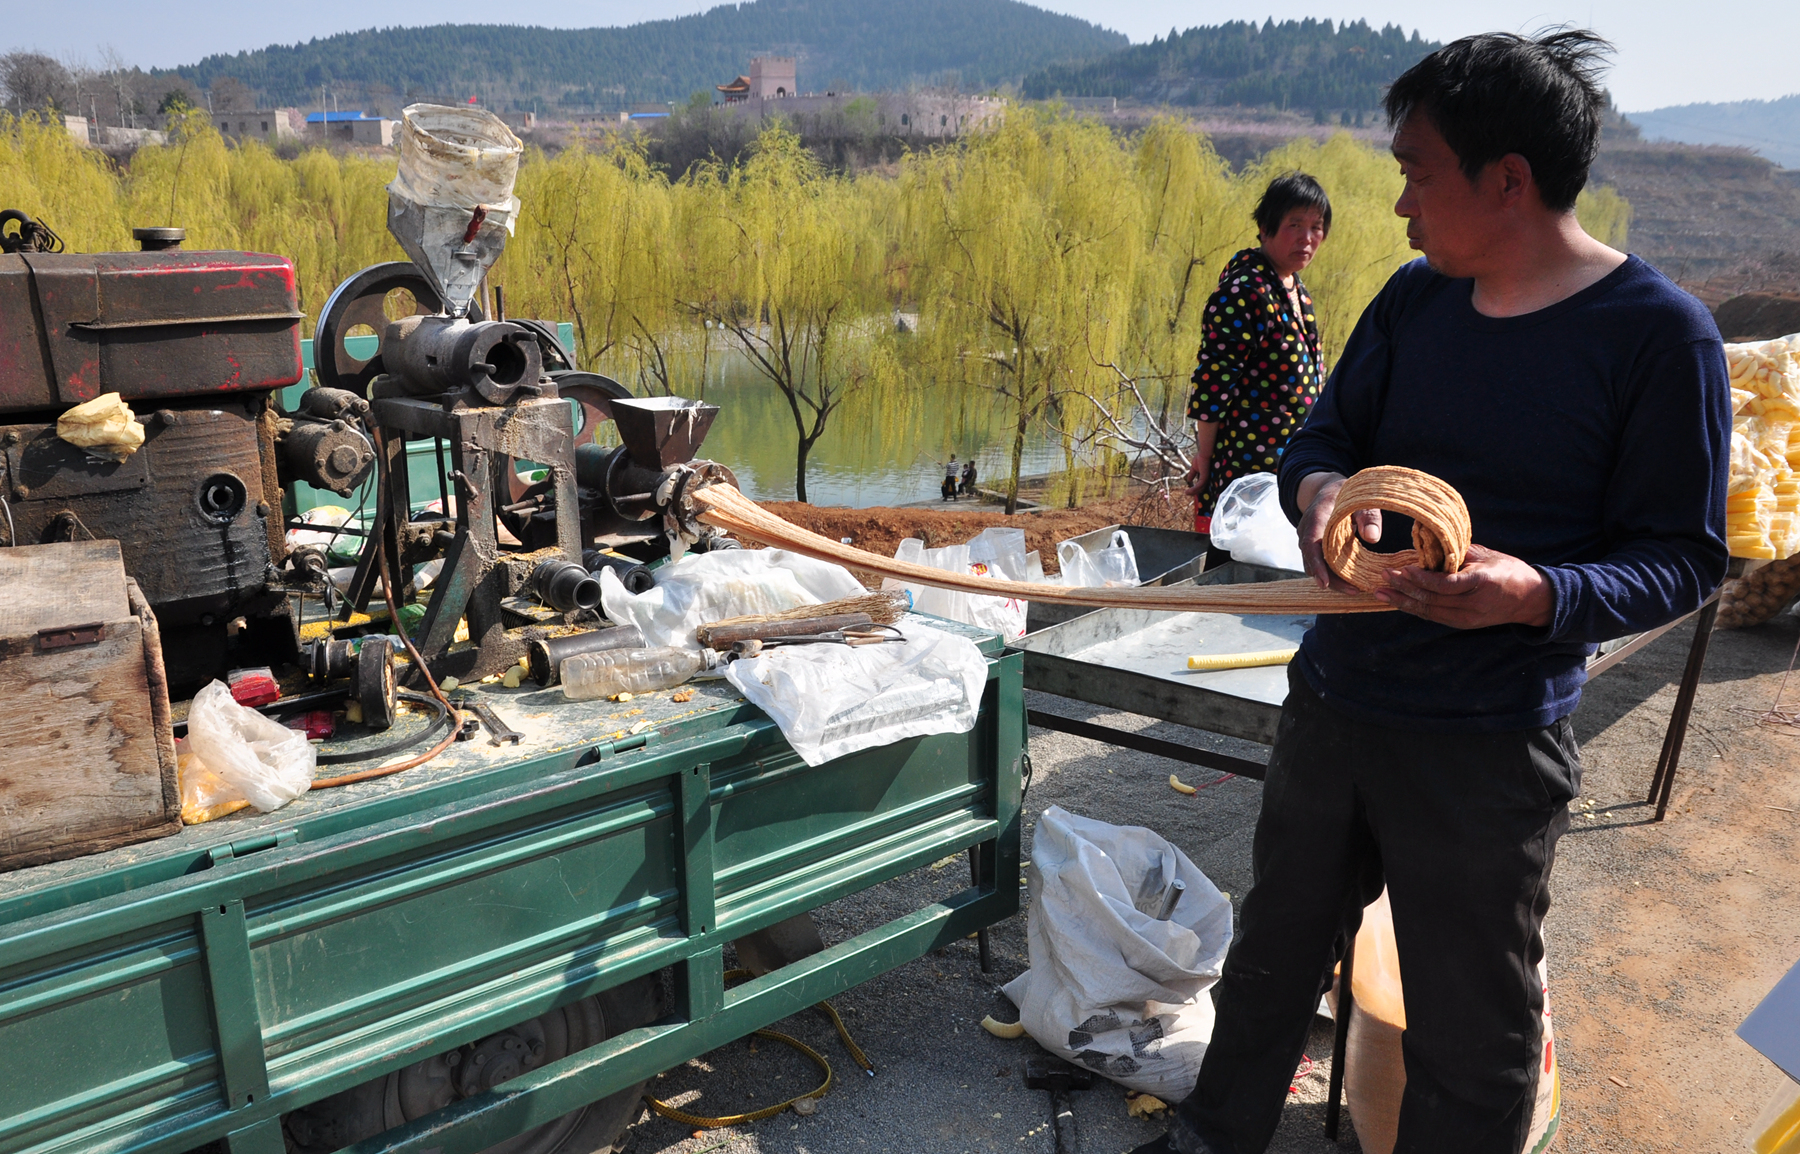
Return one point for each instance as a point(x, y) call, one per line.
point(968, 478)
point(951, 471)
point(1260, 366)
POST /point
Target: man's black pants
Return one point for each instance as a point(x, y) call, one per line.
point(1463, 829)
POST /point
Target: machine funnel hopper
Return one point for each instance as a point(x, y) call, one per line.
point(659, 432)
point(451, 205)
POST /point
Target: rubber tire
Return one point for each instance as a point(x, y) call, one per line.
point(603, 1127)
point(372, 1107)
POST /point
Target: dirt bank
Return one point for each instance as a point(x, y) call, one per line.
point(881, 530)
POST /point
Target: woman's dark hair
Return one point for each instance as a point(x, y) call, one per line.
point(1497, 93)
point(1287, 192)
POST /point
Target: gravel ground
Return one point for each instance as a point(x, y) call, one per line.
point(1662, 938)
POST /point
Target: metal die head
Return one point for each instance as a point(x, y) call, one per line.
point(438, 354)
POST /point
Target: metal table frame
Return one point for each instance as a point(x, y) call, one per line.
point(1662, 782)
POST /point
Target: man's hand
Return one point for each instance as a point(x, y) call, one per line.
point(1318, 496)
point(1492, 588)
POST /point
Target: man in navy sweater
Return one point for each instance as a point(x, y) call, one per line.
point(1579, 403)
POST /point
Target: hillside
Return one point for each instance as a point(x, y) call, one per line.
point(1297, 64)
point(1770, 127)
point(1717, 221)
point(839, 43)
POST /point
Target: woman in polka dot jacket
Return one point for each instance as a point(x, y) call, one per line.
point(1260, 367)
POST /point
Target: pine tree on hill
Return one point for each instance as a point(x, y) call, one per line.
point(1297, 64)
point(978, 44)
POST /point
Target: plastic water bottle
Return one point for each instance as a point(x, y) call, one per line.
point(587, 676)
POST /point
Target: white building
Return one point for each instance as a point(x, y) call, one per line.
point(771, 90)
point(270, 124)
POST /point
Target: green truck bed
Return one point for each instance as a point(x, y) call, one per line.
point(162, 996)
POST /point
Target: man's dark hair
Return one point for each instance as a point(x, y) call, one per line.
point(1497, 93)
point(1287, 192)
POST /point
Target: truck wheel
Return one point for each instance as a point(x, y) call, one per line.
point(425, 1087)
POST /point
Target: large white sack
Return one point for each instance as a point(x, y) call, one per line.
point(832, 700)
point(705, 587)
point(1110, 986)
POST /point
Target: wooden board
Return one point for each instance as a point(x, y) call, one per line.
point(89, 757)
point(55, 586)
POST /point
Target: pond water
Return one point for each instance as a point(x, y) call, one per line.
point(875, 450)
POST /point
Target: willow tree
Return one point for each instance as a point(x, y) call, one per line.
point(325, 212)
point(1024, 244)
point(45, 174)
point(1194, 215)
point(1604, 214)
point(595, 243)
point(789, 261)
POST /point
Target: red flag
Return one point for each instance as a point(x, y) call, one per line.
point(471, 100)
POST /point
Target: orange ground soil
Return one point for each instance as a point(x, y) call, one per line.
point(880, 530)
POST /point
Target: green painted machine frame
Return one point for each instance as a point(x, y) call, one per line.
point(162, 997)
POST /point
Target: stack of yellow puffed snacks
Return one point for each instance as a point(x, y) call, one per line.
point(1762, 512)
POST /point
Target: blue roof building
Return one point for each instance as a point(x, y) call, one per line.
point(354, 125)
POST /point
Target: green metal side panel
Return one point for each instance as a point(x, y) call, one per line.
point(201, 992)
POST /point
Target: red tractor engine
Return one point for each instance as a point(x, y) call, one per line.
point(196, 343)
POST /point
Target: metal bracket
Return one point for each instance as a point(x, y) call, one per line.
point(69, 636)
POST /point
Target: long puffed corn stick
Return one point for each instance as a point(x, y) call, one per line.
point(722, 506)
point(1243, 660)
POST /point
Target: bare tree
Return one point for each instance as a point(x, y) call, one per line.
point(121, 80)
point(1157, 445)
point(85, 87)
point(229, 94)
point(34, 81)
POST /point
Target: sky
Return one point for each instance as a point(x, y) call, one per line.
point(1669, 53)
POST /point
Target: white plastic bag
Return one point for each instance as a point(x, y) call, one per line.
point(997, 552)
point(1115, 565)
point(462, 158)
point(262, 759)
point(703, 587)
point(1110, 986)
point(832, 700)
point(1248, 523)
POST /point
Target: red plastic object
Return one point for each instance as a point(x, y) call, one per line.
point(253, 687)
point(318, 725)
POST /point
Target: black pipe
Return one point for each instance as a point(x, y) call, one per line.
point(546, 655)
point(565, 586)
point(634, 575)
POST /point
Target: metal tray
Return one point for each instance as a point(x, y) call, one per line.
point(1136, 660)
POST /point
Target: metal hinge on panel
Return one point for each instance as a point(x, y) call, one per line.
point(606, 749)
point(249, 845)
point(67, 636)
